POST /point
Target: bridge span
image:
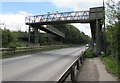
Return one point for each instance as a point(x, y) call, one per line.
point(64, 17)
point(93, 16)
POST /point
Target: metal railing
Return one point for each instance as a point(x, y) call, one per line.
point(65, 16)
point(72, 68)
point(25, 49)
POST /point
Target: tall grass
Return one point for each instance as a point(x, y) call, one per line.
point(112, 66)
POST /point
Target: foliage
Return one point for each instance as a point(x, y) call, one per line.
point(111, 64)
point(112, 32)
point(112, 37)
point(72, 34)
point(90, 53)
point(8, 37)
point(46, 39)
point(16, 44)
point(116, 39)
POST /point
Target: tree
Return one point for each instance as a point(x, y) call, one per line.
point(112, 32)
point(72, 34)
point(8, 37)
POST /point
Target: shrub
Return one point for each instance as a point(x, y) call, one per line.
point(90, 53)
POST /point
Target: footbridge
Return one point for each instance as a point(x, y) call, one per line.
point(93, 16)
point(64, 17)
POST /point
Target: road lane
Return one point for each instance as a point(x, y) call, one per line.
point(43, 66)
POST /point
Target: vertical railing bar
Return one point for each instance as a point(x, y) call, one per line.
point(73, 73)
point(81, 60)
point(78, 65)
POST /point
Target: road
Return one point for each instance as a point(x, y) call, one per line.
point(43, 66)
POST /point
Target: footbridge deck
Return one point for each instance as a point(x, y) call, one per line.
point(64, 17)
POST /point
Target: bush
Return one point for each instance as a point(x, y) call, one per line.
point(90, 53)
point(12, 45)
point(16, 44)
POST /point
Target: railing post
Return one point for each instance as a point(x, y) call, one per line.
point(78, 65)
point(81, 60)
point(83, 57)
point(73, 74)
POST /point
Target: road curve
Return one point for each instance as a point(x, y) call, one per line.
point(43, 66)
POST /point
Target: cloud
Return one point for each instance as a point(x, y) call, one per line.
point(77, 4)
point(83, 28)
point(14, 21)
point(24, 13)
point(25, 0)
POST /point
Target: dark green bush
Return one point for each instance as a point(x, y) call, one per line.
point(90, 53)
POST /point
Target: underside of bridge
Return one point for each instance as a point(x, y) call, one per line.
point(93, 16)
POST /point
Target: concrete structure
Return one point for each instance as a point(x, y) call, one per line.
point(96, 15)
point(93, 16)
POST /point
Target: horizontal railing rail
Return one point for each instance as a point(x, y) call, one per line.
point(72, 68)
point(64, 16)
point(24, 49)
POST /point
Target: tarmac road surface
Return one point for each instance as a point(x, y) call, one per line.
point(43, 66)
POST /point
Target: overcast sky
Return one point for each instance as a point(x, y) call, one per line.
point(15, 11)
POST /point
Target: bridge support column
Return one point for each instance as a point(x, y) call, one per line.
point(36, 35)
point(93, 32)
point(29, 34)
point(98, 36)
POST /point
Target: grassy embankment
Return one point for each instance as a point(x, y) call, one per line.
point(111, 64)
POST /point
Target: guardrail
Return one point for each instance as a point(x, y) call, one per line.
point(71, 69)
point(24, 49)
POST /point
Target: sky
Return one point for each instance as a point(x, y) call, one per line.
point(13, 12)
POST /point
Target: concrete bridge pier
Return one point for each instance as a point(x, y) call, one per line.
point(96, 30)
point(93, 32)
point(29, 34)
point(36, 35)
point(33, 36)
point(96, 15)
point(98, 36)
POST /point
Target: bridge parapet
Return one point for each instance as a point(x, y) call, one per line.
point(96, 13)
point(65, 16)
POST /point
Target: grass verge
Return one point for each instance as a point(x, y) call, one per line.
point(32, 52)
point(111, 64)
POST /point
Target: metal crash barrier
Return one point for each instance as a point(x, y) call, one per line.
point(71, 69)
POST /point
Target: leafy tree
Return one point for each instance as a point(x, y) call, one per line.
point(72, 34)
point(112, 32)
point(8, 37)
